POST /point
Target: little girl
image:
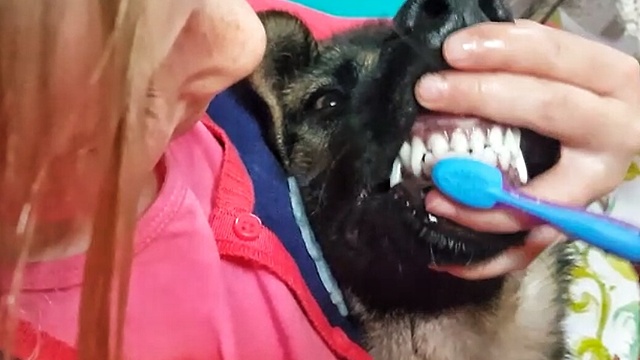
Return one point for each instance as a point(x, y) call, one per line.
point(133, 226)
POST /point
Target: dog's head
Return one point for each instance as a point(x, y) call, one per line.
point(342, 117)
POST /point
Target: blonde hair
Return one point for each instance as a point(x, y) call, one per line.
point(29, 32)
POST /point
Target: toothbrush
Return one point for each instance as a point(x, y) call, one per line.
point(479, 185)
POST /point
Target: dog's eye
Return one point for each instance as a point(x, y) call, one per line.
point(326, 100)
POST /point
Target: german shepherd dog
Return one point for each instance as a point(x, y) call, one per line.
point(342, 118)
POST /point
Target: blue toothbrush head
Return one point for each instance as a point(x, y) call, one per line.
point(468, 181)
point(479, 185)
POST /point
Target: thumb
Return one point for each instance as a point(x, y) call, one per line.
point(511, 260)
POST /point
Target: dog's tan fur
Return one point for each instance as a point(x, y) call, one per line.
point(515, 327)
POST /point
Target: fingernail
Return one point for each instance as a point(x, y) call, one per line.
point(435, 203)
point(510, 261)
point(459, 48)
point(431, 88)
point(545, 234)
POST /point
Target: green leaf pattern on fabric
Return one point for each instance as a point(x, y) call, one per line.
point(633, 172)
point(623, 268)
point(603, 319)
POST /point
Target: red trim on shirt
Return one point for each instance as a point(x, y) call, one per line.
point(30, 343)
point(233, 198)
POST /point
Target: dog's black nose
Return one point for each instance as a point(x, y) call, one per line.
point(431, 21)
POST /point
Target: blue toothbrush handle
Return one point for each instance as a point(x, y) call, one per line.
point(615, 237)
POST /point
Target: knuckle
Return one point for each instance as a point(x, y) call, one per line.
point(609, 184)
point(526, 22)
point(555, 51)
point(633, 136)
point(550, 104)
point(464, 92)
point(624, 130)
point(482, 89)
point(629, 70)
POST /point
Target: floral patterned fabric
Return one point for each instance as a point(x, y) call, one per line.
point(604, 313)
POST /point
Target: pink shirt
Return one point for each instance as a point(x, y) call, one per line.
point(185, 302)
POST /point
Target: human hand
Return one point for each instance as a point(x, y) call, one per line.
point(582, 93)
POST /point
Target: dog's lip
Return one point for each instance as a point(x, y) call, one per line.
point(449, 243)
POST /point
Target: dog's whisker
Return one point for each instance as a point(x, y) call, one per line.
point(433, 256)
point(470, 259)
point(327, 175)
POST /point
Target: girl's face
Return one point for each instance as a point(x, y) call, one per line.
point(200, 47)
point(210, 44)
point(195, 48)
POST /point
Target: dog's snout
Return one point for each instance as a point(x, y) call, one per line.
point(433, 20)
point(437, 9)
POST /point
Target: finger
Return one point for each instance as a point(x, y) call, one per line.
point(575, 180)
point(578, 178)
point(511, 260)
point(499, 221)
point(575, 116)
point(534, 49)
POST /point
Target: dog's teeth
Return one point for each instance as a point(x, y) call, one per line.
point(418, 152)
point(427, 164)
point(489, 156)
point(396, 173)
point(499, 146)
point(521, 168)
point(477, 141)
point(510, 140)
point(405, 154)
point(459, 142)
point(515, 143)
point(516, 136)
point(438, 145)
point(504, 158)
point(496, 138)
point(479, 155)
